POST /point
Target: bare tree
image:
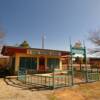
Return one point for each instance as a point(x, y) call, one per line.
point(2, 30)
point(94, 37)
point(2, 35)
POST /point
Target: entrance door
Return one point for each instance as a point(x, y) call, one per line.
point(41, 64)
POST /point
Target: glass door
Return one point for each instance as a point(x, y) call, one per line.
point(41, 64)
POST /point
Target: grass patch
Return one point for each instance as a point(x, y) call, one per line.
point(52, 97)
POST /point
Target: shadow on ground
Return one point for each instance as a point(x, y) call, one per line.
point(22, 85)
point(4, 72)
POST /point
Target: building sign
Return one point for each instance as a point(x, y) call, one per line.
point(34, 52)
point(77, 51)
point(77, 48)
point(55, 53)
point(44, 52)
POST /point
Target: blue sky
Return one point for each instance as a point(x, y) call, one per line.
point(59, 19)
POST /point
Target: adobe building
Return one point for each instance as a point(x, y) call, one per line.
point(4, 61)
point(94, 61)
point(33, 58)
point(42, 60)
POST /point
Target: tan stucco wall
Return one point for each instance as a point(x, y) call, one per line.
point(17, 62)
point(18, 55)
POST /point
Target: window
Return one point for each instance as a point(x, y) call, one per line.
point(28, 62)
point(53, 63)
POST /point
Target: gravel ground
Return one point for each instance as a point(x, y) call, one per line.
point(11, 89)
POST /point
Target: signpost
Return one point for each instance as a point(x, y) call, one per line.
point(78, 49)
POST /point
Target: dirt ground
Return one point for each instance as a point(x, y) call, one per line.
point(89, 91)
point(11, 89)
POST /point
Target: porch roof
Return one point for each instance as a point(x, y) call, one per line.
point(10, 50)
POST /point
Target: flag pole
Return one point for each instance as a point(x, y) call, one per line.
point(42, 40)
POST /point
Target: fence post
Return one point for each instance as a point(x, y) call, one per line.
point(53, 77)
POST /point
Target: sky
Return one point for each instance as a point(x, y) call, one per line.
point(59, 20)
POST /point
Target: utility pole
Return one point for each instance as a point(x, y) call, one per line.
point(43, 40)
